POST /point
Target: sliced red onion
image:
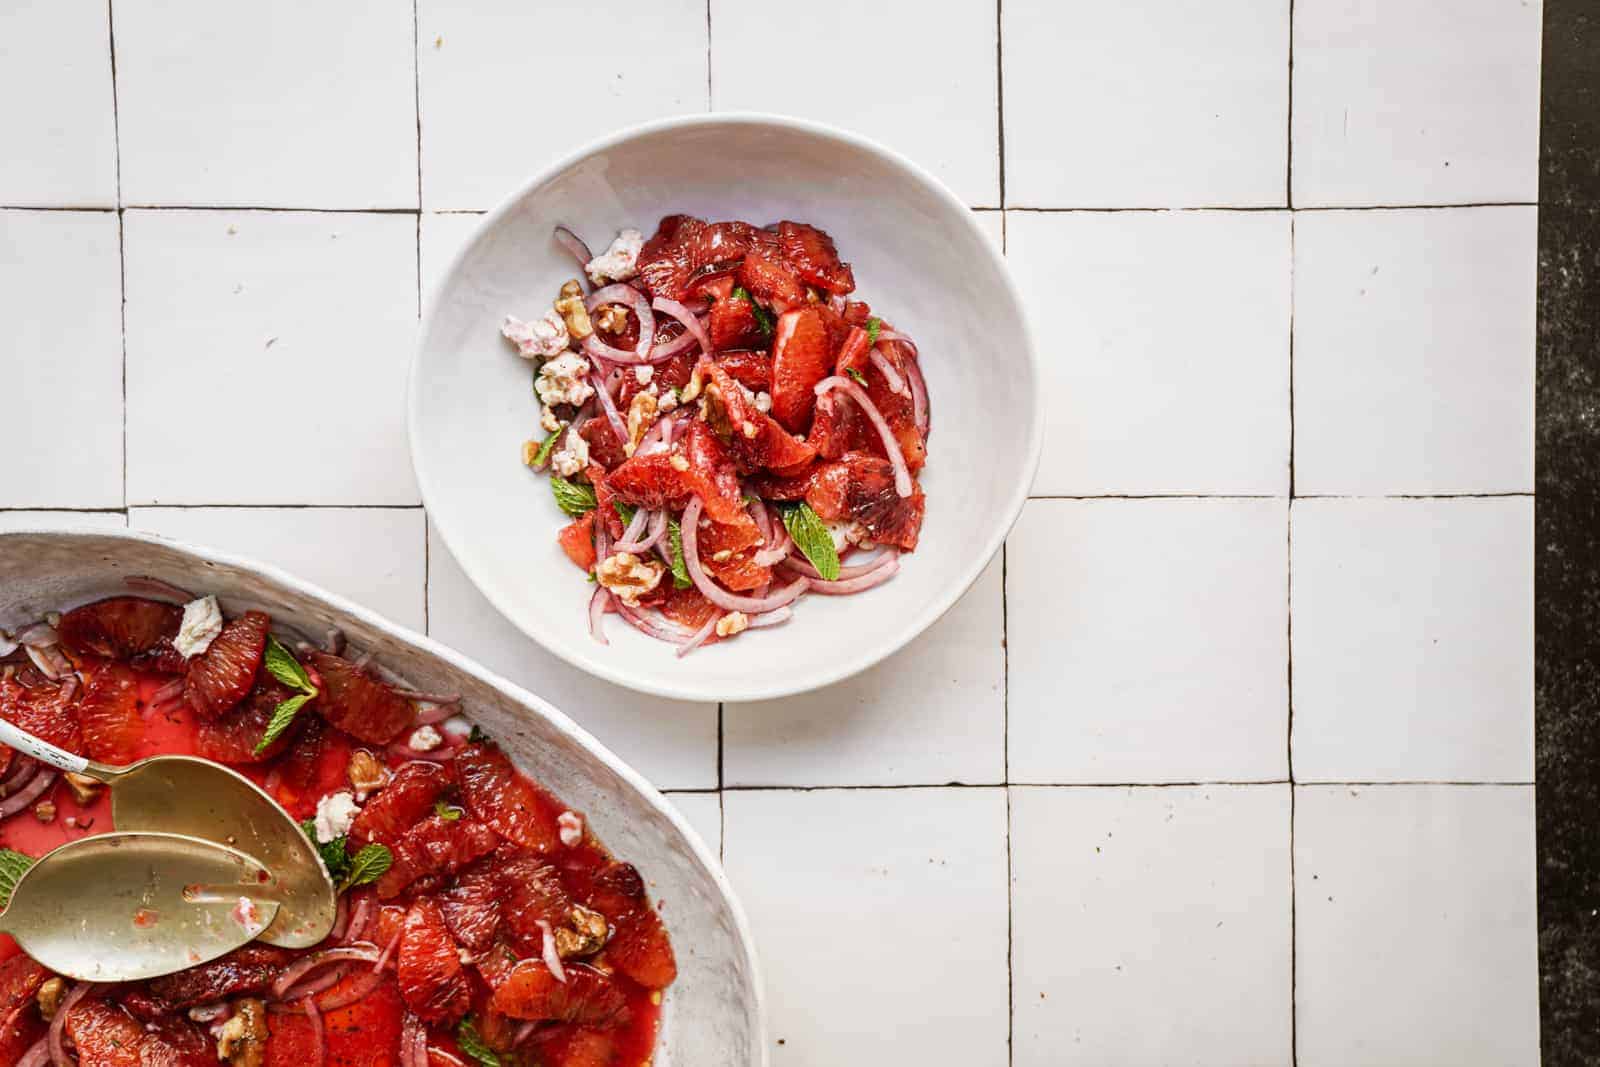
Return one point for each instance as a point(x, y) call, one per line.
point(576, 249)
point(360, 917)
point(609, 406)
point(919, 398)
point(39, 635)
point(658, 438)
point(711, 590)
point(877, 576)
point(701, 634)
point(306, 964)
point(902, 473)
point(803, 565)
point(144, 583)
point(524, 1032)
point(691, 324)
point(770, 618)
point(319, 1047)
point(341, 917)
point(21, 773)
point(898, 338)
point(7, 645)
point(661, 630)
point(635, 301)
point(629, 541)
point(27, 795)
point(312, 986)
point(50, 660)
point(891, 376)
point(774, 528)
point(667, 349)
point(438, 712)
point(597, 610)
point(58, 1054)
point(441, 753)
point(37, 1055)
point(413, 1042)
point(552, 958)
point(217, 1011)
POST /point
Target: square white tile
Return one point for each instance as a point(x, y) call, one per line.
point(1413, 640)
point(94, 520)
point(1148, 641)
point(1164, 339)
point(509, 87)
point(1145, 103)
point(673, 743)
point(442, 236)
point(922, 84)
point(931, 714)
point(1414, 351)
point(296, 103)
point(882, 917)
point(704, 812)
point(1417, 941)
point(1151, 926)
point(386, 574)
point(60, 298)
point(267, 356)
point(58, 127)
point(1416, 101)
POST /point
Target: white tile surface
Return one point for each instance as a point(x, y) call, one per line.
point(1413, 640)
point(936, 100)
point(1147, 641)
point(1416, 101)
point(386, 574)
point(1164, 339)
point(60, 288)
point(95, 520)
point(508, 87)
point(882, 917)
point(1145, 103)
point(934, 713)
point(297, 103)
point(1151, 925)
point(1414, 351)
point(671, 742)
point(287, 338)
point(442, 236)
point(704, 812)
point(1417, 936)
point(61, 145)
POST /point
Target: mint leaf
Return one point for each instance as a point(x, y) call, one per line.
point(764, 318)
point(282, 718)
point(471, 1043)
point(624, 512)
point(572, 498)
point(476, 735)
point(812, 538)
point(282, 665)
point(370, 864)
point(874, 324)
point(13, 865)
point(546, 446)
point(861, 379)
point(447, 812)
point(334, 856)
point(680, 570)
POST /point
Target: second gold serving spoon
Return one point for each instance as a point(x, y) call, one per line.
point(198, 798)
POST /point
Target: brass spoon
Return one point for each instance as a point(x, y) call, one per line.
point(118, 907)
point(198, 798)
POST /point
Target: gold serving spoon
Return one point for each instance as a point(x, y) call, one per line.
point(195, 797)
point(119, 907)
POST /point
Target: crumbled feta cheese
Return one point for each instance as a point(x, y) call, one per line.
point(571, 826)
point(668, 401)
point(679, 462)
point(564, 380)
point(850, 532)
point(202, 622)
point(571, 457)
point(641, 412)
point(643, 372)
point(335, 813)
point(628, 576)
point(619, 262)
point(548, 419)
point(734, 622)
point(424, 739)
point(763, 401)
point(541, 337)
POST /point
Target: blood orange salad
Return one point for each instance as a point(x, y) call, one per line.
point(479, 921)
point(728, 429)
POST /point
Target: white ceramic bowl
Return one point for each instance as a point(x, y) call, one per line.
point(920, 260)
point(713, 1013)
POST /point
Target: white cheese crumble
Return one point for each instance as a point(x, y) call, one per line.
point(850, 532)
point(619, 262)
point(564, 380)
point(643, 373)
point(763, 401)
point(571, 457)
point(571, 826)
point(541, 337)
point(202, 622)
point(548, 419)
point(335, 813)
point(424, 739)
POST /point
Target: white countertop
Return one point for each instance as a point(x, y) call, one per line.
point(1060, 828)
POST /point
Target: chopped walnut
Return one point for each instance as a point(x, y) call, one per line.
point(640, 414)
point(366, 773)
point(242, 1040)
point(45, 811)
point(549, 419)
point(569, 305)
point(613, 318)
point(734, 622)
point(697, 379)
point(84, 789)
point(722, 555)
point(679, 462)
point(582, 934)
point(530, 453)
point(628, 576)
point(50, 995)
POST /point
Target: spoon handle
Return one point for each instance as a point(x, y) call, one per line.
point(42, 751)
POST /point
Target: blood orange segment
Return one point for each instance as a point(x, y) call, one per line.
point(108, 714)
point(731, 323)
point(105, 1035)
point(44, 710)
point(897, 409)
point(749, 368)
point(531, 992)
point(245, 971)
point(223, 674)
point(812, 255)
point(472, 906)
point(405, 801)
point(854, 354)
point(752, 438)
point(668, 258)
point(605, 451)
point(577, 541)
point(496, 794)
point(639, 947)
point(20, 1023)
point(118, 628)
point(358, 703)
point(861, 487)
point(802, 355)
point(364, 1034)
point(431, 978)
point(435, 846)
point(232, 737)
point(578, 1046)
point(533, 892)
point(687, 607)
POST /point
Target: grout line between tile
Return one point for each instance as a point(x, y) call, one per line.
point(1246, 208)
point(1000, 92)
point(1514, 494)
point(416, 94)
point(122, 245)
point(1190, 208)
point(708, 55)
point(1288, 140)
point(1011, 972)
point(1294, 947)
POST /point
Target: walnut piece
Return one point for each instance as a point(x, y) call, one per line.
point(613, 318)
point(628, 576)
point(84, 789)
point(242, 1041)
point(366, 774)
point(582, 934)
point(50, 995)
point(569, 305)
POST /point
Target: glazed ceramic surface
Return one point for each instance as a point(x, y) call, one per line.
point(920, 259)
